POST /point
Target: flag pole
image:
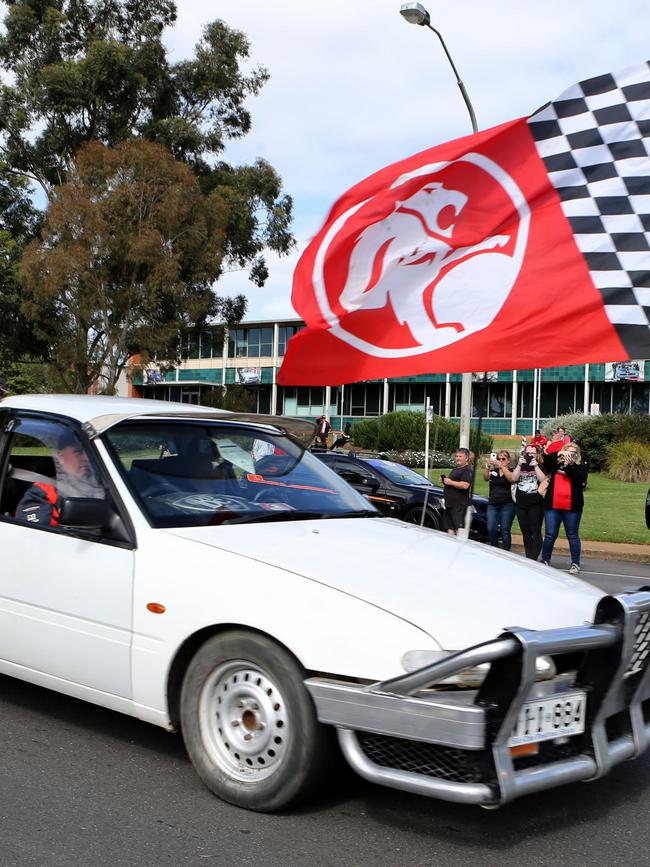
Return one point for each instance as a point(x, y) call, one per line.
point(464, 532)
point(415, 13)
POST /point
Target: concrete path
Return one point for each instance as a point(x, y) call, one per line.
point(600, 550)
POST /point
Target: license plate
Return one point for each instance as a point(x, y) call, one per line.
point(546, 718)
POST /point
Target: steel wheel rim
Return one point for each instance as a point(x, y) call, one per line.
point(243, 721)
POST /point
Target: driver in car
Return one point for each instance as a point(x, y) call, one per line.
point(74, 478)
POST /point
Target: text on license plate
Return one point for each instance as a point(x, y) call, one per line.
point(546, 718)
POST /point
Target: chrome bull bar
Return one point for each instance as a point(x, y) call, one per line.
point(614, 673)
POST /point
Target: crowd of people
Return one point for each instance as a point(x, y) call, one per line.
point(542, 486)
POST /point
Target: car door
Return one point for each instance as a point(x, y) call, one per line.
point(364, 480)
point(65, 595)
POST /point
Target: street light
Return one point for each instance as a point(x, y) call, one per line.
point(415, 13)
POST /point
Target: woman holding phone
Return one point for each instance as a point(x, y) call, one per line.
point(529, 500)
point(501, 508)
point(564, 501)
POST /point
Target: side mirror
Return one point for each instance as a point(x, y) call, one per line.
point(88, 513)
point(352, 477)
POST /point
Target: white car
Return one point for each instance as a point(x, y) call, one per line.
point(201, 570)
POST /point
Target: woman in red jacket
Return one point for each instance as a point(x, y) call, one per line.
point(564, 501)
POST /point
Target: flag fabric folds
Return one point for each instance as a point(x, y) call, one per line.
point(526, 245)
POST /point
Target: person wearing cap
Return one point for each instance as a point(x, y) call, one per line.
point(74, 478)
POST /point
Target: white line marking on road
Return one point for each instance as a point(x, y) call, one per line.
point(611, 574)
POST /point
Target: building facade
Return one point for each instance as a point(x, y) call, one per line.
point(517, 401)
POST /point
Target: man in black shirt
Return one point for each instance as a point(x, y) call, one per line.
point(457, 485)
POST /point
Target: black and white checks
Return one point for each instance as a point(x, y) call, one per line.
point(595, 143)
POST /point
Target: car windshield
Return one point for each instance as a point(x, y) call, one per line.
point(187, 474)
point(398, 473)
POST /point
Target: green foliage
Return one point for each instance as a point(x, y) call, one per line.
point(597, 432)
point(130, 248)
point(79, 71)
point(28, 377)
point(571, 422)
point(629, 461)
point(235, 398)
point(401, 431)
point(18, 223)
point(632, 427)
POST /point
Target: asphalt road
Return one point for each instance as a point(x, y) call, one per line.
point(80, 785)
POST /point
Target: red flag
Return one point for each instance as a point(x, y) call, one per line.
point(521, 246)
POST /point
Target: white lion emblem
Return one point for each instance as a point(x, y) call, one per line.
point(398, 258)
point(396, 261)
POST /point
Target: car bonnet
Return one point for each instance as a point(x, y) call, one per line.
point(459, 592)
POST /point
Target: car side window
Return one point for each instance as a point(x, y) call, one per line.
point(46, 462)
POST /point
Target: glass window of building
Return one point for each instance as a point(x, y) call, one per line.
point(497, 400)
point(285, 333)
point(641, 397)
point(193, 345)
point(266, 342)
point(373, 398)
point(568, 399)
point(621, 397)
point(205, 348)
point(548, 400)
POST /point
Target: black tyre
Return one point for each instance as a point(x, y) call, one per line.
point(431, 518)
point(249, 724)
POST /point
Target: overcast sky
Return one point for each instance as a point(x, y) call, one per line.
point(354, 87)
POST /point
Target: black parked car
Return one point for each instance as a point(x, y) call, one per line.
point(400, 492)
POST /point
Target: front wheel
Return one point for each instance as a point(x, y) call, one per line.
point(431, 518)
point(249, 724)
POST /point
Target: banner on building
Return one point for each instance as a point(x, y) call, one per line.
point(490, 376)
point(625, 371)
point(152, 376)
point(521, 246)
point(249, 375)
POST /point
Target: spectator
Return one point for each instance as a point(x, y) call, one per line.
point(528, 475)
point(586, 460)
point(559, 438)
point(344, 437)
point(457, 486)
point(323, 428)
point(564, 501)
point(501, 508)
point(539, 439)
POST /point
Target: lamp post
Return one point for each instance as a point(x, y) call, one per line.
point(415, 13)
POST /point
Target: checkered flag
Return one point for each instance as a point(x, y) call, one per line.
point(595, 143)
point(526, 245)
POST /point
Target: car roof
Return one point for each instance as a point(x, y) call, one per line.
point(98, 413)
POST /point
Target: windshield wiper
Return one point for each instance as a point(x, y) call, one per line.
point(357, 513)
point(280, 515)
point(297, 515)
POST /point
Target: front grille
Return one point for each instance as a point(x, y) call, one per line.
point(639, 657)
point(431, 760)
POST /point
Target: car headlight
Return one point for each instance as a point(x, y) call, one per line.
point(470, 678)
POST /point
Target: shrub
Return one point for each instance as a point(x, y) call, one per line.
point(404, 431)
point(632, 427)
point(570, 421)
point(629, 461)
point(415, 459)
point(365, 433)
